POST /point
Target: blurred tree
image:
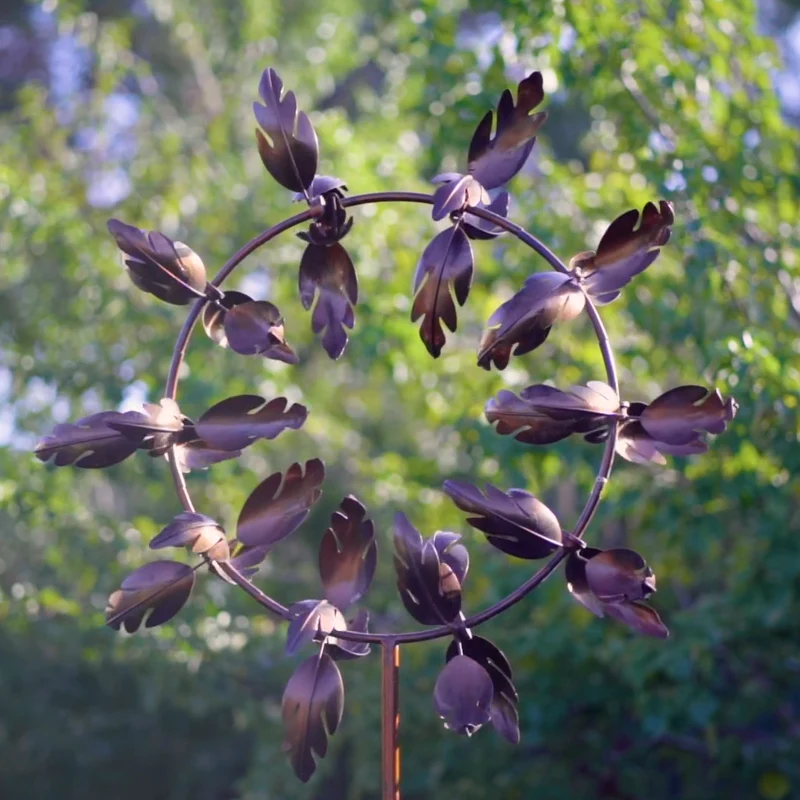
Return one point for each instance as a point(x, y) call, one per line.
point(142, 111)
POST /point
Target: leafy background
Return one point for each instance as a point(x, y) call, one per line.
point(142, 110)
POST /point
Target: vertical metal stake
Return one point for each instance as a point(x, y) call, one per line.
point(390, 723)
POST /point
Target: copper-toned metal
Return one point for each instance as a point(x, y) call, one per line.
point(390, 719)
point(475, 685)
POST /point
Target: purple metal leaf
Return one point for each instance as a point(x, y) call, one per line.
point(279, 504)
point(310, 618)
point(639, 617)
point(201, 533)
point(524, 321)
point(312, 708)
point(347, 554)
point(89, 443)
point(425, 595)
point(289, 150)
point(463, 695)
point(196, 455)
point(516, 523)
point(214, 315)
point(456, 195)
point(505, 700)
point(343, 650)
point(161, 588)
point(493, 161)
point(446, 264)
point(453, 556)
point(327, 275)
point(256, 328)
point(624, 251)
point(237, 422)
point(677, 416)
point(169, 270)
point(619, 574)
point(478, 228)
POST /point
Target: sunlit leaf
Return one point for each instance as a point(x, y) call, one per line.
point(310, 618)
point(190, 529)
point(256, 328)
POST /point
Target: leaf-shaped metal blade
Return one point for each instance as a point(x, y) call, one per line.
point(419, 577)
point(161, 588)
point(278, 505)
point(624, 251)
point(197, 455)
point(456, 195)
point(453, 559)
point(635, 444)
point(310, 618)
point(169, 270)
point(256, 328)
point(446, 264)
point(505, 700)
point(463, 695)
point(312, 708)
point(201, 533)
point(290, 149)
point(328, 274)
point(348, 554)
point(516, 523)
point(619, 575)
point(639, 617)
point(493, 161)
point(478, 228)
point(344, 650)
point(214, 315)
point(677, 416)
point(524, 321)
point(237, 422)
point(577, 584)
point(159, 426)
point(89, 443)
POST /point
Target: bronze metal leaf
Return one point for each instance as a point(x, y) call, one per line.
point(453, 560)
point(543, 414)
point(237, 422)
point(201, 533)
point(446, 263)
point(455, 195)
point(312, 708)
point(159, 426)
point(310, 619)
point(256, 328)
point(525, 320)
point(328, 276)
point(197, 455)
point(622, 578)
point(160, 588)
point(618, 575)
point(343, 650)
point(505, 700)
point(431, 595)
point(214, 315)
point(463, 695)
point(516, 523)
point(478, 228)
point(89, 443)
point(493, 161)
point(279, 504)
point(624, 251)
point(676, 417)
point(169, 270)
point(348, 554)
point(290, 149)
point(639, 617)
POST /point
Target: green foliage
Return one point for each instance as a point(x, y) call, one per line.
point(647, 100)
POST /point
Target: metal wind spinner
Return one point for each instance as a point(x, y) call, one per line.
point(475, 687)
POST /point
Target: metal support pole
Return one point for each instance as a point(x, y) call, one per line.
point(390, 720)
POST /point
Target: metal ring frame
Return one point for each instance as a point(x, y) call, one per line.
point(390, 641)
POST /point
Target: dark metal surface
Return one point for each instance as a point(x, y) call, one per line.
point(475, 686)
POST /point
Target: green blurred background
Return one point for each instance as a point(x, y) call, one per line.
point(141, 109)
